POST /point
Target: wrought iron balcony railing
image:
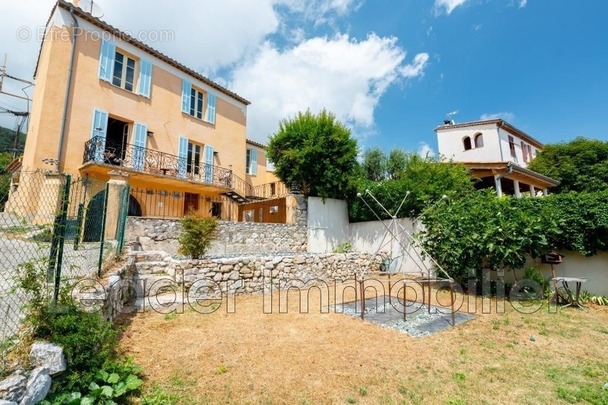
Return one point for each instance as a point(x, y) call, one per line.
point(141, 159)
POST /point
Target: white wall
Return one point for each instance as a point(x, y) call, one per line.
point(506, 150)
point(328, 227)
point(495, 149)
point(375, 236)
point(327, 224)
point(450, 144)
point(593, 268)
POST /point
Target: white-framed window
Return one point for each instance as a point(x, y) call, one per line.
point(196, 103)
point(124, 71)
point(479, 140)
point(512, 147)
point(118, 68)
point(193, 162)
point(524, 151)
point(251, 162)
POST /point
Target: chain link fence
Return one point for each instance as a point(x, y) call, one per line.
point(70, 226)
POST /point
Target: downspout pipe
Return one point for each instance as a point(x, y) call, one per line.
point(68, 90)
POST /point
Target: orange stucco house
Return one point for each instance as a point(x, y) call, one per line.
point(107, 103)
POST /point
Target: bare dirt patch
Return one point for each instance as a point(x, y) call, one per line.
point(288, 358)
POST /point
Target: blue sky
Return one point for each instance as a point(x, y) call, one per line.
point(389, 69)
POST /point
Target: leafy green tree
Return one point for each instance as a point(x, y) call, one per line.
point(396, 163)
point(315, 152)
point(7, 139)
point(425, 179)
point(580, 165)
point(5, 178)
point(374, 164)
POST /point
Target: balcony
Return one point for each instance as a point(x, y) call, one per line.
point(144, 160)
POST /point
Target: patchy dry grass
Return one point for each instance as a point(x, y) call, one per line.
point(293, 358)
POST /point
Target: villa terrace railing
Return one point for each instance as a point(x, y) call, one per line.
point(270, 190)
point(151, 161)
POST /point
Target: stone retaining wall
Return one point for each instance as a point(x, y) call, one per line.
point(248, 274)
point(232, 237)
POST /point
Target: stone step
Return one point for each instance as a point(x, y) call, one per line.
point(150, 256)
point(153, 283)
point(153, 267)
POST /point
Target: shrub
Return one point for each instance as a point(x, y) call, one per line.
point(196, 235)
point(95, 369)
point(345, 247)
point(88, 342)
point(480, 230)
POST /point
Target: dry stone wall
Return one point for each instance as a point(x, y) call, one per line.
point(232, 238)
point(247, 274)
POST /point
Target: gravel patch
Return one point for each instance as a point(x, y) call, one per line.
point(388, 313)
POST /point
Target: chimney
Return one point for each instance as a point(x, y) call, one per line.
point(76, 3)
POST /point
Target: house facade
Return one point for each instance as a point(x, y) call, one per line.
point(107, 103)
point(496, 153)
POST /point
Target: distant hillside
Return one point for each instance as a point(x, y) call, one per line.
point(7, 138)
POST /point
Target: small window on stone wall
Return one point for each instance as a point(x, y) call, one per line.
point(274, 209)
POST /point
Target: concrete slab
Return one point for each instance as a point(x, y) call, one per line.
point(388, 312)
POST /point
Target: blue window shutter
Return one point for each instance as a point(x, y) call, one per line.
point(186, 90)
point(210, 115)
point(99, 131)
point(254, 162)
point(144, 84)
point(139, 153)
point(106, 60)
point(208, 164)
point(182, 156)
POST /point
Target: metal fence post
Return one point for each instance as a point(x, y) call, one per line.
point(122, 219)
point(103, 229)
point(79, 220)
point(61, 236)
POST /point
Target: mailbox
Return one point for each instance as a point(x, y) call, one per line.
point(552, 258)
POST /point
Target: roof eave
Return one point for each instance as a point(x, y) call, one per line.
point(146, 48)
point(495, 121)
point(254, 143)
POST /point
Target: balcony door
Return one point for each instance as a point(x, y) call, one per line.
point(116, 141)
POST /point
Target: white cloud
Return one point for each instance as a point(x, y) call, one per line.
point(425, 150)
point(417, 67)
point(505, 115)
point(447, 6)
point(345, 76)
point(522, 3)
